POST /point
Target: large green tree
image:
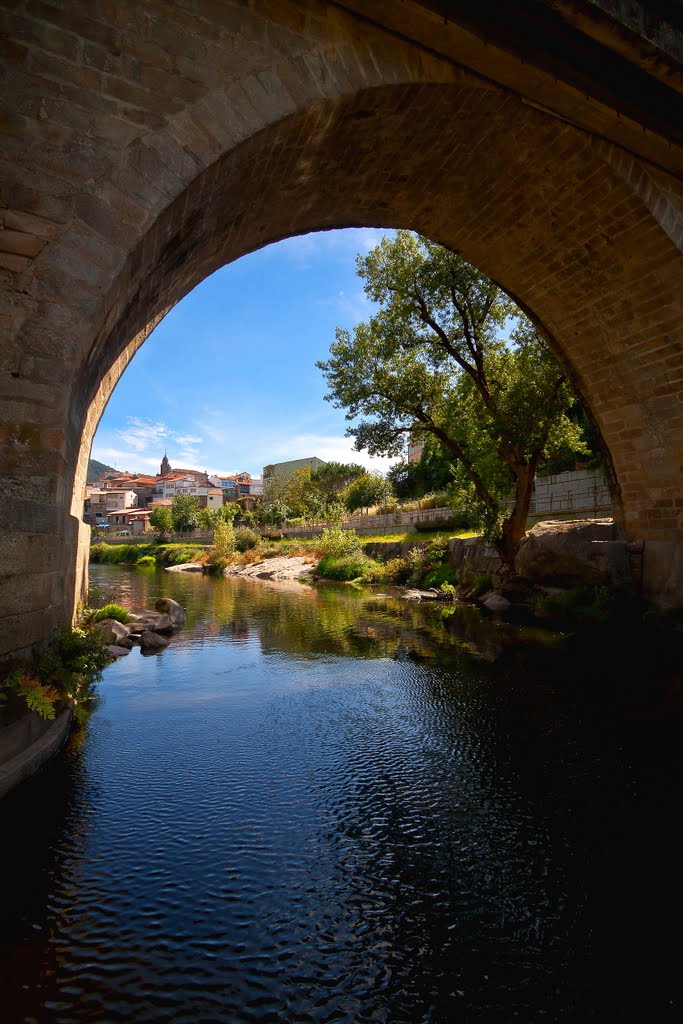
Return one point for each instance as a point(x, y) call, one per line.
point(333, 478)
point(366, 490)
point(160, 520)
point(185, 510)
point(450, 355)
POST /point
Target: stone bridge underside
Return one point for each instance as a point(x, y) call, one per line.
point(144, 145)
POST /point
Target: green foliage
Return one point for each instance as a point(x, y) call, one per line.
point(448, 589)
point(185, 510)
point(589, 604)
point(223, 542)
point(245, 538)
point(439, 575)
point(161, 554)
point(208, 517)
point(38, 697)
point(146, 562)
point(337, 542)
point(161, 520)
point(65, 671)
point(481, 584)
point(435, 357)
point(345, 568)
point(332, 480)
point(96, 469)
point(366, 490)
point(112, 611)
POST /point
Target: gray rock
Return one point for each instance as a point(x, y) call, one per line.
point(156, 622)
point(170, 607)
point(186, 567)
point(567, 553)
point(496, 603)
point(150, 641)
point(471, 554)
point(113, 632)
point(116, 651)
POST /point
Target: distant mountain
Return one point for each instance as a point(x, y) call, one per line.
point(96, 469)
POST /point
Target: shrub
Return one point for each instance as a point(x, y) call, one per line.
point(223, 542)
point(147, 561)
point(338, 542)
point(38, 697)
point(111, 611)
point(344, 568)
point(439, 575)
point(480, 584)
point(246, 538)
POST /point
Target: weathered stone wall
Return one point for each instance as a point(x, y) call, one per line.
point(145, 145)
point(583, 491)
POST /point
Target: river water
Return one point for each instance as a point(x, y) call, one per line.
point(332, 806)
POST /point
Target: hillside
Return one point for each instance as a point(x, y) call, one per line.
point(95, 470)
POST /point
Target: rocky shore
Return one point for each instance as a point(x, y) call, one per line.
point(149, 630)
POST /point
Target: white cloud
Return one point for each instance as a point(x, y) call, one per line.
point(342, 243)
point(141, 435)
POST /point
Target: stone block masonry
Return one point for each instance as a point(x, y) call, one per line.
point(583, 491)
point(145, 145)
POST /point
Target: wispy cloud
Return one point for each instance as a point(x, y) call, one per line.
point(353, 306)
point(141, 443)
point(304, 250)
point(141, 435)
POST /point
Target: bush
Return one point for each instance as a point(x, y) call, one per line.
point(338, 542)
point(440, 574)
point(481, 584)
point(111, 611)
point(246, 538)
point(344, 568)
point(223, 542)
point(66, 670)
point(147, 561)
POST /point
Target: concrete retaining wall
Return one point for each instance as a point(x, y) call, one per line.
point(28, 744)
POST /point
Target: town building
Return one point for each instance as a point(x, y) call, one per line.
point(99, 504)
point(239, 485)
point(416, 445)
point(284, 470)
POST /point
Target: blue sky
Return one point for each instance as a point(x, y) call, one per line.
point(228, 382)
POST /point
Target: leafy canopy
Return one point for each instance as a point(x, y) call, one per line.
point(436, 358)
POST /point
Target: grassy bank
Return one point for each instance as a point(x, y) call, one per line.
point(147, 554)
point(340, 555)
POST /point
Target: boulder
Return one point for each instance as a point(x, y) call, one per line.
point(156, 622)
point(186, 567)
point(567, 553)
point(471, 554)
point(496, 603)
point(116, 651)
point(150, 642)
point(113, 632)
point(168, 606)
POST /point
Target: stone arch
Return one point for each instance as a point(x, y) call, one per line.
point(326, 125)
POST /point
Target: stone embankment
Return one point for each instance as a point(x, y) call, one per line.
point(150, 630)
point(283, 568)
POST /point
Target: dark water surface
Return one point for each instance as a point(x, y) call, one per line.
point(320, 805)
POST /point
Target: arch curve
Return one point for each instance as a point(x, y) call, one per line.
point(281, 119)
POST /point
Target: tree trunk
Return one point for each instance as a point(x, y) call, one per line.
point(514, 527)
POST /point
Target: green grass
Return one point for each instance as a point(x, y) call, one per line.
point(162, 554)
point(111, 611)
